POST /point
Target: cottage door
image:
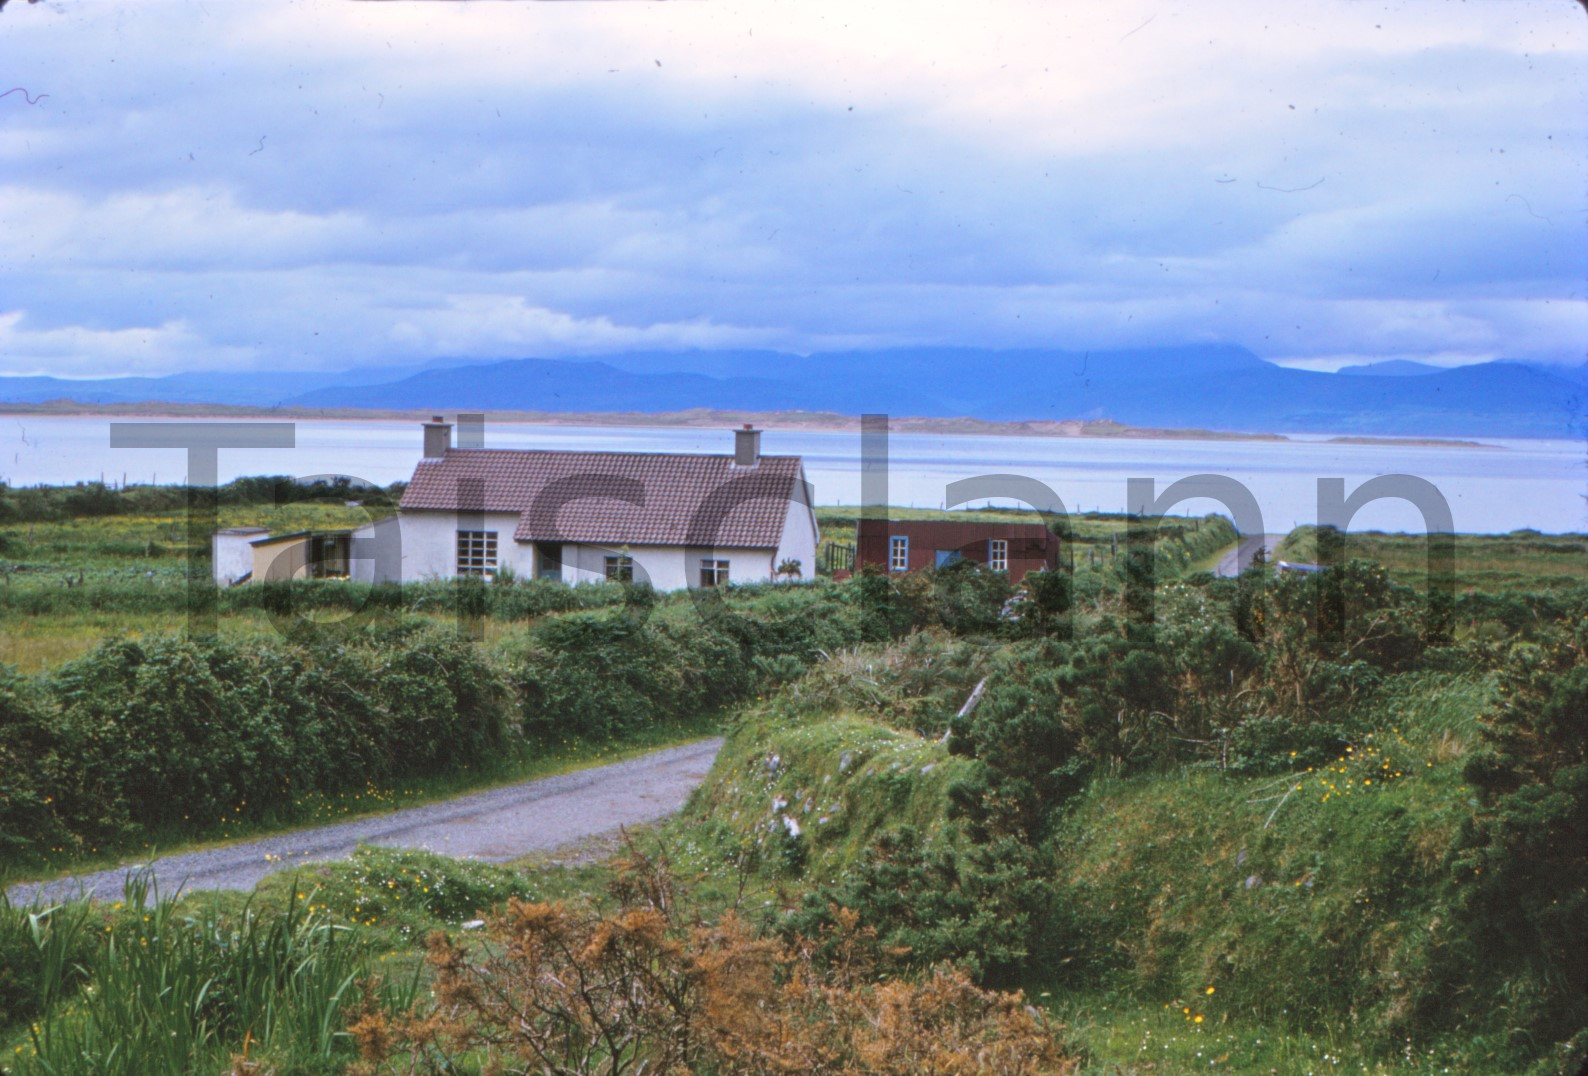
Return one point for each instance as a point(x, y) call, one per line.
point(548, 560)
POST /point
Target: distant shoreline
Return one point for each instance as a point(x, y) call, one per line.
point(701, 418)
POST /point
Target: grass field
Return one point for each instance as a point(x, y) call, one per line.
point(66, 585)
point(1489, 563)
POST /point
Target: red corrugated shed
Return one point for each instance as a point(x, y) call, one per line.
point(1031, 546)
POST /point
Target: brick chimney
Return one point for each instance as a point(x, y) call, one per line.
point(746, 446)
point(438, 438)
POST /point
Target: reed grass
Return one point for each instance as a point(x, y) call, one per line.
point(177, 991)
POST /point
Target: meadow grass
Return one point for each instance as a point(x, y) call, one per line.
point(1489, 563)
point(120, 547)
point(1118, 1034)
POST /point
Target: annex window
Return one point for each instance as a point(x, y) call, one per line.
point(898, 554)
point(620, 569)
point(713, 573)
point(477, 553)
point(998, 554)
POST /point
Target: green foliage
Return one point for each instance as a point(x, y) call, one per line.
point(169, 733)
point(979, 907)
point(590, 675)
point(595, 674)
point(1260, 792)
point(38, 504)
point(1043, 604)
point(29, 745)
point(969, 598)
point(173, 993)
point(406, 892)
point(45, 954)
point(1520, 866)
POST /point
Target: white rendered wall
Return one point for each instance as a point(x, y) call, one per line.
point(430, 543)
point(375, 552)
point(665, 567)
point(799, 531)
point(233, 557)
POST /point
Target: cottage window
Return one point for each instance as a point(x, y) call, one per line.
point(477, 553)
point(620, 569)
point(898, 554)
point(713, 573)
point(998, 554)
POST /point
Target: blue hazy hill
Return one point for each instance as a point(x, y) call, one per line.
point(1212, 386)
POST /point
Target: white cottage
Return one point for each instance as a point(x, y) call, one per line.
point(672, 519)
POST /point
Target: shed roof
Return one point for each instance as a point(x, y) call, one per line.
point(293, 536)
point(617, 498)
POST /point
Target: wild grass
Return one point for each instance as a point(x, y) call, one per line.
point(1118, 1034)
point(178, 991)
point(1488, 563)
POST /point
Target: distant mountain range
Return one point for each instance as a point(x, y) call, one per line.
point(1217, 387)
point(1391, 368)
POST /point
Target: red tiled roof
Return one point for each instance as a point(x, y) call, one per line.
point(615, 498)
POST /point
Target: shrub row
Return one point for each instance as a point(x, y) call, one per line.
point(40, 504)
point(169, 735)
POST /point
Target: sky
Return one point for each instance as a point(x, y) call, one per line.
point(206, 185)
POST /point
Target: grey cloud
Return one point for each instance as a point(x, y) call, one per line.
point(328, 208)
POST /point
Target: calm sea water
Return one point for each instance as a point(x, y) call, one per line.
point(1510, 485)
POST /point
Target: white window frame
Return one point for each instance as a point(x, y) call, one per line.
point(899, 553)
point(476, 554)
point(619, 568)
point(998, 554)
point(713, 572)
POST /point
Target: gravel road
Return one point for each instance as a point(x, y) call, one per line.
point(496, 825)
point(1239, 559)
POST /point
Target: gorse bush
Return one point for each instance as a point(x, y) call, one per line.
point(168, 733)
point(29, 746)
point(653, 987)
point(1519, 871)
point(982, 907)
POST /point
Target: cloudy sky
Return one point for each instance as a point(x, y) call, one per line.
point(203, 184)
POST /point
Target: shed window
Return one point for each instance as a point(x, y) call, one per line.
point(713, 573)
point(898, 554)
point(477, 553)
point(620, 569)
point(998, 554)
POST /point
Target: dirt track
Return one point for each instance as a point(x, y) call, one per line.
point(497, 824)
